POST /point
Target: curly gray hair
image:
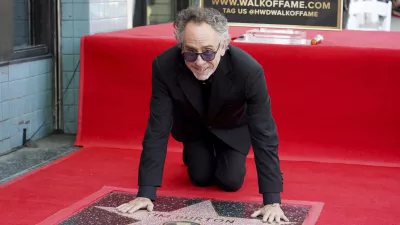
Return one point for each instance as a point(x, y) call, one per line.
point(202, 15)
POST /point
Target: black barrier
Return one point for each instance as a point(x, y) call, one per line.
point(308, 14)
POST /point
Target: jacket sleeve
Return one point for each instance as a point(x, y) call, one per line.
point(264, 137)
point(147, 192)
point(156, 136)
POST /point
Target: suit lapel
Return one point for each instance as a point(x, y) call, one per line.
point(221, 86)
point(190, 87)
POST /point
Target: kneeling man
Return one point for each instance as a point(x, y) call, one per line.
point(213, 98)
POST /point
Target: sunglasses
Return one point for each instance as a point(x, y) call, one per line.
point(207, 56)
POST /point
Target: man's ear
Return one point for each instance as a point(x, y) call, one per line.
point(223, 48)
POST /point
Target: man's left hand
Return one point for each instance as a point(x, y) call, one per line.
point(271, 213)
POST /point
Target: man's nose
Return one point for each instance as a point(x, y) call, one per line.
point(199, 61)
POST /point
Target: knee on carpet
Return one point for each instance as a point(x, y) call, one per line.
point(229, 182)
point(201, 178)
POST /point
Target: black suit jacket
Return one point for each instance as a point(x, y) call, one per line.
point(239, 113)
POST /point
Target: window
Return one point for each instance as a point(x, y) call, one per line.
point(6, 45)
point(158, 11)
point(21, 21)
point(27, 27)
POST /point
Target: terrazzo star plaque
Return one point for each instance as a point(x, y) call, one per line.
point(170, 210)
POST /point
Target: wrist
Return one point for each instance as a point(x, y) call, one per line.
point(271, 198)
point(147, 192)
point(273, 204)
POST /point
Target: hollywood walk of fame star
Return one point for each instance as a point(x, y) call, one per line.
point(203, 213)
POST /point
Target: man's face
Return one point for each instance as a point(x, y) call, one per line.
point(202, 38)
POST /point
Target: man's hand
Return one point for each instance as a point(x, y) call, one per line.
point(271, 213)
point(135, 205)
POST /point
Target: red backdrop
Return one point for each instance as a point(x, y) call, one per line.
point(331, 100)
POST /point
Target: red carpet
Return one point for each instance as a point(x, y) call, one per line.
point(352, 194)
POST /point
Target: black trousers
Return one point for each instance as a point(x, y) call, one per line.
point(212, 162)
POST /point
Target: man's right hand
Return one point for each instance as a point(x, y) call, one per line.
point(135, 205)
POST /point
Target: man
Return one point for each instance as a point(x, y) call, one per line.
point(214, 100)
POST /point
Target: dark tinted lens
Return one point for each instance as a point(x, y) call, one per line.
point(208, 55)
point(190, 56)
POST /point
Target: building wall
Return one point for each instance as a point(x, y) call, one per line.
point(26, 89)
point(79, 18)
point(25, 102)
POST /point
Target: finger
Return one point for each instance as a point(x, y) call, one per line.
point(121, 206)
point(124, 208)
point(285, 218)
point(266, 216)
point(277, 218)
point(150, 207)
point(135, 208)
point(256, 213)
point(271, 217)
